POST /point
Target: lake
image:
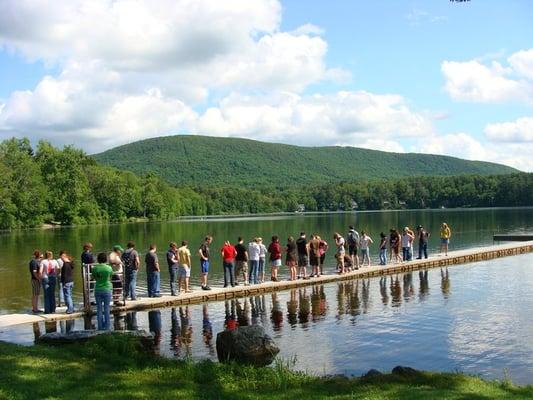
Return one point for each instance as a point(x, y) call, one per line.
point(474, 318)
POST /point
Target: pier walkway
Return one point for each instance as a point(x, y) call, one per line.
point(216, 294)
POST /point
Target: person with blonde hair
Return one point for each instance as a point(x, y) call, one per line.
point(445, 235)
point(339, 242)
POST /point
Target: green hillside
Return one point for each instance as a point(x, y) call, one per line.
point(200, 160)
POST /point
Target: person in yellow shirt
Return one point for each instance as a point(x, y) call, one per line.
point(445, 235)
point(184, 273)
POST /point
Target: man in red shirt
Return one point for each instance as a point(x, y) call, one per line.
point(228, 253)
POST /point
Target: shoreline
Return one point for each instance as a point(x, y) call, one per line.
point(237, 217)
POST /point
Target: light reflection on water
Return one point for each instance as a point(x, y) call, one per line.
point(473, 318)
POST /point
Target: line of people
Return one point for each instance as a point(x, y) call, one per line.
point(115, 274)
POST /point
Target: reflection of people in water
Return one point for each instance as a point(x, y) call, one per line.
point(242, 312)
point(366, 294)
point(396, 291)
point(175, 338)
point(230, 323)
point(118, 322)
point(408, 287)
point(207, 329)
point(50, 326)
point(276, 314)
point(154, 325)
point(292, 308)
point(445, 283)
point(424, 284)
point(131, 321)
point(304, 308)
point(384, 290)
point(254, 310)
point(186, 329)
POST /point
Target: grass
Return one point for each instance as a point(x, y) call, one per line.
point(112, 368)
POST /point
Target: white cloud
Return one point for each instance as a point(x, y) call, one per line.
point(476, 82)
point(464, 145)
point(520, 130)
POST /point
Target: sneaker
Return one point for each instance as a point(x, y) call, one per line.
point(206, 288)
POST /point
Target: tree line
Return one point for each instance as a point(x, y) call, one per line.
point(65, 186)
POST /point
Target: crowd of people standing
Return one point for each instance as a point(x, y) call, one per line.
point(242, 264)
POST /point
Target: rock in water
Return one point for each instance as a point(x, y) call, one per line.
point(246, 345)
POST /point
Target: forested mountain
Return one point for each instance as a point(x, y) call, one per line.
point(65, 186)
point(203, 160)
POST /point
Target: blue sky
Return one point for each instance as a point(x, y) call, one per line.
point(437, 76)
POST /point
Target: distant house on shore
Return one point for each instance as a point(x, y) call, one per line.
point(300, 208)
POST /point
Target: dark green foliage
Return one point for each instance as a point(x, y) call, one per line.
point(206, 161)
point(66, 186)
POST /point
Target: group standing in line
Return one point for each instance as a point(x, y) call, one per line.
point(117, 271)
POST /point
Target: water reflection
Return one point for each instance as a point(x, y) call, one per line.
point(445, 282)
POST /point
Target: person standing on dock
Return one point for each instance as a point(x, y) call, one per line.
point(353, 241)
point(339, 242)
point(274, 249)
point(87, 257)
point(383, 249)
point(407, 243)
point(262, 260)
point(35, 281)
point(303, 255)
point(228, 253)
point(314, 254)
point(395, 242)
point(48, 269)
point(445, 235)
point(184, 274)
point(241, 262)
point(153, 271)
point(131, 261)
point(118, 273)
point(67, 280)
point(423, 237)
point(291, 257)
point(203, 252)
point(322, 249)
point(173, 267)
point(364, 244)
point(253, 255)
point(103, 291)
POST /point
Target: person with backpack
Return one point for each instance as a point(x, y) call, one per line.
point(131, 262)
point(48, 270)
point(353, 240)
point(423, 237)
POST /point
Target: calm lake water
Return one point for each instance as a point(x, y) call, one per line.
point(474, 318)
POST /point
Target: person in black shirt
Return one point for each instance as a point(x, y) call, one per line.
point(86, 257)
point(173, 267)
point(67, 280)
point(241, 262)
point(423, 237)
point(35, 281)
point(203, 252)
point(303, 255)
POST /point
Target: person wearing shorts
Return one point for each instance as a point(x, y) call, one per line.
point(445, 235)
point(290, 259)
point(274, 249)
point(303, 255)
point(314, 254)
point(241, 262)
point(339, 242)
point(322, 249)
point(184, 272)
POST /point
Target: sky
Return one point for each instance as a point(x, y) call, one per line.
point(439, 77)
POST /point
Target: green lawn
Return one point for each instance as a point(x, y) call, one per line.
point(112, 368)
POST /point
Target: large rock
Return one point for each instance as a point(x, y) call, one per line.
point(246, 345)
point(146, 339)
point(407, 372)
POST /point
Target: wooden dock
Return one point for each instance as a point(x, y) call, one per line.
point(217, 294)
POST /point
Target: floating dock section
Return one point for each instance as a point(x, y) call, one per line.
point(216, 294)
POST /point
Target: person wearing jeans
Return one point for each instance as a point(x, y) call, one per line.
point(102, 273)
point(228, 253)
point(173, 267)
point(383, 249)
point(67, 280)
point(254, 251)
point(48, 270)
point(152, 272)
point(131, 261)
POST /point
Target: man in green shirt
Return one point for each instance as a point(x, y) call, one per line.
point(103, 290)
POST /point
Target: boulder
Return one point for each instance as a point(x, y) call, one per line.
point(405, 371)
point(371, 374)
point(246, 345)
point(146, 339)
